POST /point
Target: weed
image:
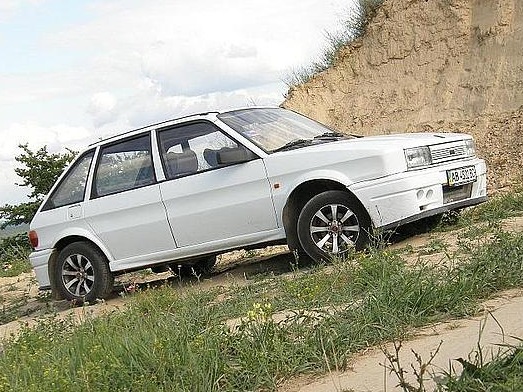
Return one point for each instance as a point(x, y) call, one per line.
point(419, 370)
point(497, 208)
point(352, 28)
point(503, 373)
point(436, 245)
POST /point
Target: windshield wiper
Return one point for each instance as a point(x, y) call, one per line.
point(294, 143)
point(330, 135)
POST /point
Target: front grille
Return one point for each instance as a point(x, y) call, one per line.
point(447, 152)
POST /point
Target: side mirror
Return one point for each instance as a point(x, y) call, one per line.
point(230, 155)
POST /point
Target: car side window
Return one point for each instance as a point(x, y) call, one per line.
point(123, 166)
point(193, 148)
point(72, 188)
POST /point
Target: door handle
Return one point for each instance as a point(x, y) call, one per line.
point(74, 212)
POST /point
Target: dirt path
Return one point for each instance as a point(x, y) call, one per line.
point(502, 318)
point(21, 301)
point(500, 321)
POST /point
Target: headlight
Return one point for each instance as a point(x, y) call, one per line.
point(417, 157)
point(470, 148)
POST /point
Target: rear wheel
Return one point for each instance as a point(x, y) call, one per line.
point(331, 224)
point(82, 273)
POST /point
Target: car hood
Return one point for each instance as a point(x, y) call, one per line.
point(381, 143)
point(396, 141)
point(360, 159)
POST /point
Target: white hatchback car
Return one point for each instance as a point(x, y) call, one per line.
point(182, 191)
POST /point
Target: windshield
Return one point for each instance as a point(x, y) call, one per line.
point(274, 129)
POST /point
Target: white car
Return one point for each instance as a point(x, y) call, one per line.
point(182, 191)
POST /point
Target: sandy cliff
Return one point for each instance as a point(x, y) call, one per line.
point(445, 65)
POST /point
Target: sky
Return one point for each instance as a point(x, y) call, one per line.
point(75, 71)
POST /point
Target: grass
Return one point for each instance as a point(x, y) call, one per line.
point(14, 255)
point(312, 320)
point(178, 341)
point(503, 373)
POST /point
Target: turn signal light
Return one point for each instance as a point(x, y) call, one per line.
point(33, 238)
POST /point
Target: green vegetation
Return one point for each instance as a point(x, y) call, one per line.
point(501, 207)
point(14, 252)
point(253, 337)
point(39, 171)
point(13, 230)
point(352, 28)
point(503, 373)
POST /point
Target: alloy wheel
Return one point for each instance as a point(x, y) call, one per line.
point(77, 275)
point(334, 228)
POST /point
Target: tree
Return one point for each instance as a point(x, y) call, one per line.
point(39, 171)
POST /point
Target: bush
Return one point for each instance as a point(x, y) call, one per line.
point(14, 253)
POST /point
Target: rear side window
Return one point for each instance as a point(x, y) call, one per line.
point(123, 166)
point(72, 188)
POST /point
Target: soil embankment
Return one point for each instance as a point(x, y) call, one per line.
point(431, 65)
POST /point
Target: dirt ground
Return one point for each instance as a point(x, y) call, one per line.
point(501, 319)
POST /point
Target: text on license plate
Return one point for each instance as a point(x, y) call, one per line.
point(461, 176)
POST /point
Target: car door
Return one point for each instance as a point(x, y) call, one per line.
point(216, 191)
point(125, 209)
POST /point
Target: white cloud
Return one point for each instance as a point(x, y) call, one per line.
point(9, 7)
point(241, 51)
point(102, 107)
point(149, 107)
point(57, 138)
point(203, 46)
point(10, 193)
point(200, 70)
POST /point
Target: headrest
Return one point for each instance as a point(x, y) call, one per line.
point(181, 163)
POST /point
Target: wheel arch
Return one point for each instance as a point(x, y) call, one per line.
point(299, 197)
point(80, 235)
point(61, 244)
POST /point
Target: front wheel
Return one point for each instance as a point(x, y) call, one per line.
point(331, 224)
point(82, 273)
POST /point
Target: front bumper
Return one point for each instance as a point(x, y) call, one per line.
point(409, 196)
point(40, 261)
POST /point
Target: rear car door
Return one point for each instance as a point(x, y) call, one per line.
point(126, 211)
point(216, 190)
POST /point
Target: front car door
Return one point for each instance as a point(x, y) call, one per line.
point(216, 191)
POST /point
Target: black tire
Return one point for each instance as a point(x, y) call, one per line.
point(82, 273)
point(323, 235)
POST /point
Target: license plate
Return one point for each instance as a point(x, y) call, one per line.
point(463, 175)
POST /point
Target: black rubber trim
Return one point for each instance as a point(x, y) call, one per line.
point(44, 288)
point(426, 214)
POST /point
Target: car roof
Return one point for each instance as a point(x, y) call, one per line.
point(175, 120)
